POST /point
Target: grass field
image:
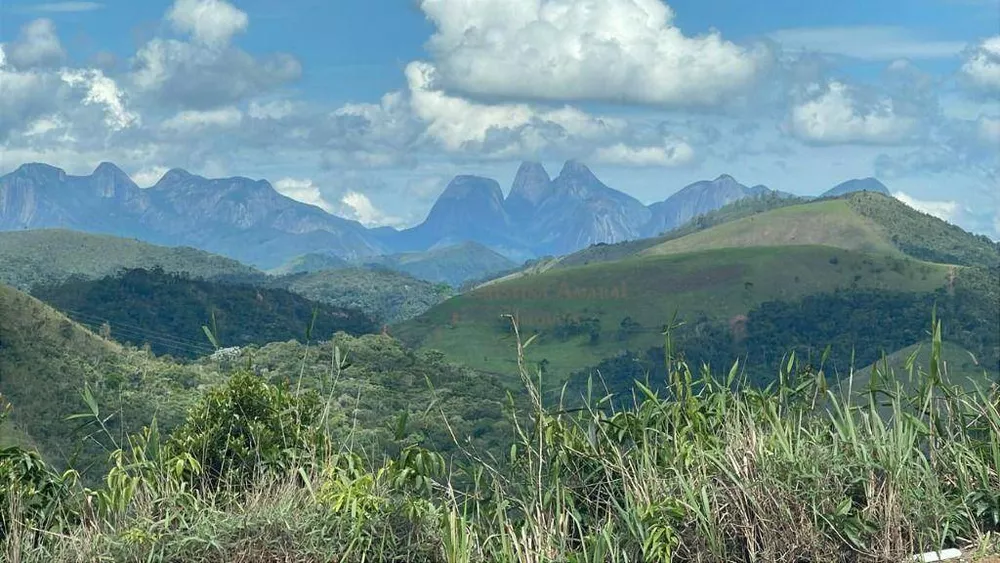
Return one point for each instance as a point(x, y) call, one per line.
point(716, 284)
point(828, 223)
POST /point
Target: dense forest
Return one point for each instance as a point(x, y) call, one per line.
point(168, 312)
point(840, 330)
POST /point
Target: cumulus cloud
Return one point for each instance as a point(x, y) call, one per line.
point(944, 210)
point(36, 46)
point(357, 206)
point(213, 22)
point(350, 204)
point(148, 176)
point(178, 73)
point(673, 153)
point(837, 115)
point(508, 129)
point(103, 91)
point(304, 190)
point(982, 67)
point(275, 109)
point(612, 50)
point(207, 71)
point(191, 120)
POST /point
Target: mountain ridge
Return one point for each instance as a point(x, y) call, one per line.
point(251, 221)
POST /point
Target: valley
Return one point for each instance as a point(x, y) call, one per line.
point(409, 344)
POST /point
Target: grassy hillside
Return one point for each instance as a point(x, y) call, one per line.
point(312, 262)
point(167, 312)
point(860, 221)
point(603, 252)
point(46, 360)
point(385, 295)
point(453, 265)
point(587, 313)
point(30, 258)
point(922, 236)
point(828, 223)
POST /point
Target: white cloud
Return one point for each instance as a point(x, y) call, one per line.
point(866, 42)
point(304, 190)
point(458, 124)
point(103, 91)
point(276, 109)
point(191, 120)
point(37, 45)
point(63, 7)
point(44, 125)
point(213, 22)
point(944, 210)
point(357, 206)
point(178, 73)
point(673, 153)
point(835, 115)
point(613, 50)
point(982, 68)
point(148, 176)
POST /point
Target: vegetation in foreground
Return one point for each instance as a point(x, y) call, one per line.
point(710, 471)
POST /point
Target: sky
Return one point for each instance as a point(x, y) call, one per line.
point(367, 108)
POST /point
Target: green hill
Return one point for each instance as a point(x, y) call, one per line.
point(828, 223)
point(587, 313)
point(617, 298)
point(45, 257)
point(46, 360)
point(865, 221)
point(312, 262)
point(385, 295)
point(453, 264)
point(167, 311)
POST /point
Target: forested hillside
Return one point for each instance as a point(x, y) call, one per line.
point(168, 312)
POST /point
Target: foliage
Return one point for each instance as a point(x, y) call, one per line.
point(47, 362)
point(452, 265)
point(382, 396)
point(718, 285)
point(384, 295)
point(245, 429)
point(48, 257)
point(855, 329)
point(167, 312)
point(711, 470)
point(923, 236)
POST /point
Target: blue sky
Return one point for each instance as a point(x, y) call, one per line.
point(368, 108)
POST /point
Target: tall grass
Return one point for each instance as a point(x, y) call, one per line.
point(707, 469)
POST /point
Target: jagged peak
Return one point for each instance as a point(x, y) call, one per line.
point(108, 168)
point(465, 185)
point(531, 170)
point(574, 167)
point(39, 168)
point(173, 176)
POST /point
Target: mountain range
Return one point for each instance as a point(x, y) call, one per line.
point(252, 222)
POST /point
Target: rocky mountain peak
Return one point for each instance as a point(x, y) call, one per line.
point(467, 187)
point(577, 170)
point(172, 177)
point(40, 172)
